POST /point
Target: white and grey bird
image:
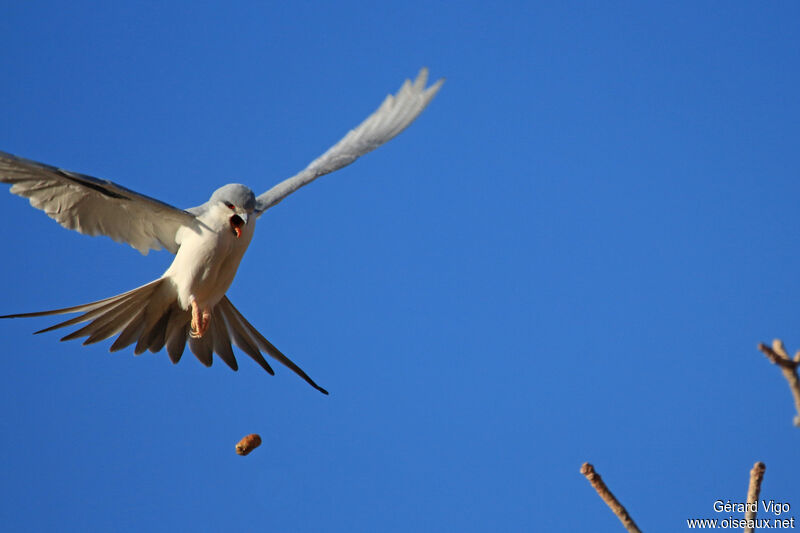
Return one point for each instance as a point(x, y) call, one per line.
point(187, 304)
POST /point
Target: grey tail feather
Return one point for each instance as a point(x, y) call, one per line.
point(78, 308)
point(151, 317)
point(236, 322)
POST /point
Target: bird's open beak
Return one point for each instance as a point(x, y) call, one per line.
point(237, 222)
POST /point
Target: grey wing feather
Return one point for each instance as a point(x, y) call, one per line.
point(93, 206)
point(393, 116)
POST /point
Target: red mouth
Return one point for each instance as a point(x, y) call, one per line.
point(236, 225)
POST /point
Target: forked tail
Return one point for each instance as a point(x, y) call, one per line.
point(151, 317)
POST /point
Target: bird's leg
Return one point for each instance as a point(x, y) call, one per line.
point(201, 318)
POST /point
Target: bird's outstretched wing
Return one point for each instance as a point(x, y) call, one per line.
point(393, 116)
point(93, 206)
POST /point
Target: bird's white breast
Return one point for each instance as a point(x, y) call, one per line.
point(208, 258)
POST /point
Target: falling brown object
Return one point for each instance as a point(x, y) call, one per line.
point(248, 444)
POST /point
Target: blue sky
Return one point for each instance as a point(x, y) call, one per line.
point(569, 257)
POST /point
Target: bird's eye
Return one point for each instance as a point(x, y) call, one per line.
point(229, 205)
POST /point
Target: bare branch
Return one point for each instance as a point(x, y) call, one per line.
point(597, 482)
point(753, 491)
point(778, 356)
point(779, 348)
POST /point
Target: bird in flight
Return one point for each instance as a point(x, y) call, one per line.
point(187, 304)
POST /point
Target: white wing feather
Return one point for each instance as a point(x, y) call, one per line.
point(95, 207)
point(393, 116)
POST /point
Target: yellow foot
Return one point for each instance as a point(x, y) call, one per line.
point(201, 318)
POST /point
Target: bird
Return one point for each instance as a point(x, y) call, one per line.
point(188, 303)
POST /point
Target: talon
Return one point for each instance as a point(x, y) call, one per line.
point(200, 321)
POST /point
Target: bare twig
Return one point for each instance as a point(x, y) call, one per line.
point(753, 490)
point(777, 355)
point(597, 482)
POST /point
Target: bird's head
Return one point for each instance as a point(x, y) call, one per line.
point(237, 199)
